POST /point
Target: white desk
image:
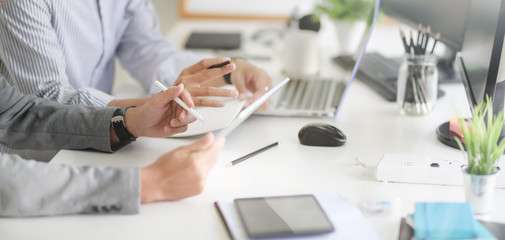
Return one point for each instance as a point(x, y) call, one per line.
point(373, 126)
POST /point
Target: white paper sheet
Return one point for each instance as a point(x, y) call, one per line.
point(347, 219)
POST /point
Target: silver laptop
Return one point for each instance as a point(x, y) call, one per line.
point(316, 97)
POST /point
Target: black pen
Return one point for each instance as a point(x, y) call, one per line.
point(238, 160)
point(222, 64)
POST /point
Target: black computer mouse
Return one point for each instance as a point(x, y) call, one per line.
point(321, 134)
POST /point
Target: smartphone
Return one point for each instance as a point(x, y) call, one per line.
point(282, 216)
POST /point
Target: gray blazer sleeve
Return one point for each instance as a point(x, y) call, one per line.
point(31, 188)
point(28, 122)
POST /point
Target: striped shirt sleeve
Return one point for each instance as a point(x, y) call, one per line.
point(146, 53)
point(34, 59)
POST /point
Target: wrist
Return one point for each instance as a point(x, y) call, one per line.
point(120, 136)
point(130, 123)
point(148, 191)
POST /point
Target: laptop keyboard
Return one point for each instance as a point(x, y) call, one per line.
point(378, 72)
point(309, 94)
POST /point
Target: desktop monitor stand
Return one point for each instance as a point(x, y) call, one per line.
point(445, 136)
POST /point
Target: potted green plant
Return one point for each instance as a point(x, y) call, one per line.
point(483, 147)
point(350, 20)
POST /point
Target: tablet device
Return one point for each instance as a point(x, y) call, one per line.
point(244, 114)
point(282, 216)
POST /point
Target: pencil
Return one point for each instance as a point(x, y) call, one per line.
point(437, 36)
point(222, 64)
point(241, 159)
point(180, 102)
point(404, 40)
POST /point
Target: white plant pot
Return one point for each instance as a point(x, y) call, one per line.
point(349, 35)
point(479, 191)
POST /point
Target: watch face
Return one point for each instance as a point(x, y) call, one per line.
point(117, 119)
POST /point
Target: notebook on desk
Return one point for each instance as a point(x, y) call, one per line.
point(316, 97)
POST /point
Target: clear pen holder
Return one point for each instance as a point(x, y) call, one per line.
point(417, 84)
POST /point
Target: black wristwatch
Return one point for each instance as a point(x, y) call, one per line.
point(119, 126)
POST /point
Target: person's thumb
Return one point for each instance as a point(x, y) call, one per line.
point(168, 95)
point(241, 88)
point(202, 143)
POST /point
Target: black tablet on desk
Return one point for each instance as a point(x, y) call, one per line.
point(282, 216)
point(214, 40)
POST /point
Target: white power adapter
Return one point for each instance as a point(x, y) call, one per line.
point(409, 168)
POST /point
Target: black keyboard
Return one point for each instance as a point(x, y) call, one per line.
point(376, 71)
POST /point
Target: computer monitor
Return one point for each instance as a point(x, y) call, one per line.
point(445, 16)
point(480, 58)
point(481, 52)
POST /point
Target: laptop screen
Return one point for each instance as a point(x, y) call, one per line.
point(361, 52)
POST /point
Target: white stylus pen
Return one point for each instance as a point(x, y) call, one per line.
point(180, 102)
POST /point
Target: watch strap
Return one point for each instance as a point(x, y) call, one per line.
point(119, 127)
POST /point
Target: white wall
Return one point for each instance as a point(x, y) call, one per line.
point(167, 11)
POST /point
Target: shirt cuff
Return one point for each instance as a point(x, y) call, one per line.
point(121, 194)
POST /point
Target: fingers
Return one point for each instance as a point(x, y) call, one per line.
point(184, 119)
point(212, 91)
point(163, 98)
point(174, 130)
point(257, 94)
point(199, 73)
point(260, 91)
point(204, 64)
point(208, 74)
point(205, 102)
point(202, 144)
point(185, 96)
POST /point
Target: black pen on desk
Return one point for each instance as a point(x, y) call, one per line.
point(241, 159)
point(222, 64)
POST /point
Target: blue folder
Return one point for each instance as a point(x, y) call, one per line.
point(447, 221)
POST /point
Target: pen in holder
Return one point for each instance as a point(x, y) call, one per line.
point(417, 84)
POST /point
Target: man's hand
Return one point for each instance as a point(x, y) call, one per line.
point(248, 77)
point(201, 81)
point(180, 173)
point(160, 116)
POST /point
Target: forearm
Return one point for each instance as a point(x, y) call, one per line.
point(146, 53)
point(30, 188)
point(127, 102)
point(35, 123)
